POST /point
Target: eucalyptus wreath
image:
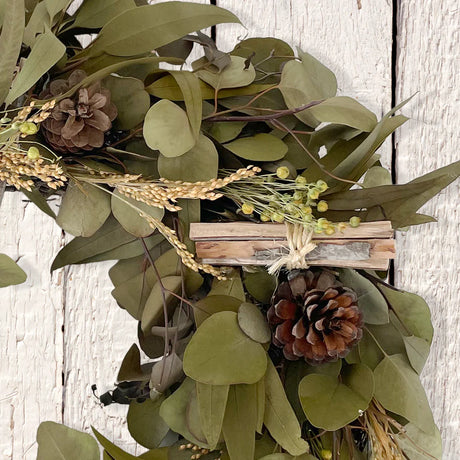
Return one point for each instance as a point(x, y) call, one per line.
point(236, 364)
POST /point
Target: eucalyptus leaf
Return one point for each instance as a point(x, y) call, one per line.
point(235, 75)
point(189, 213)
point(261, 147)
point(84, 209)
point(198, 164)
point(212, 304)
point(225, 132)
point(370, 301)
point(145, 424)
point(398, 389)
point(114, 451)
point(260, 285)
point(418, 445)
point(330, 403)
point(93, 14)
point(55, 7)
point(163, 122)
point(253, 323)
point(130, 369)
point(240, 421)
point(193, 417)
point(46, 52)
point(166, 373)
point(130, 218)
point(10, 44)
point(304, 82)
point(130, 98)
point(154, 314)
point(344, 110)
point(145, 28)
point(231, 286)
point(219, 348)
point(38, 20)
point(376, 176)
point(10, 272)
point(58, 442)
point(39, 200)
point(212, 401)
point(279, 418)
point(417, 350)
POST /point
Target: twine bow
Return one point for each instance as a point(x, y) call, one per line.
point(300, 244)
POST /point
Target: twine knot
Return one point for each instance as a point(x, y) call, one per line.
point(299, 244)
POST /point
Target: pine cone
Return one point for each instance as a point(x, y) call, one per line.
point(315, 317)
point(78, 123)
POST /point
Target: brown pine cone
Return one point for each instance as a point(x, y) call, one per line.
point(314, 317)
point(79, 122)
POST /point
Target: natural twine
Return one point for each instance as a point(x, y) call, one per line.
point(300, 244)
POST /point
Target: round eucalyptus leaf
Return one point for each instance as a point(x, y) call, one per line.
point(211, 304)
point(198, 164)
point(261, 147)
point(253, 323)
point(221, 354)
point(331, 404)
point(130, 98)
point(226, 131)
point(145, 424)
point(260, 285)
point(167, 129)
point(10, 272)
point(234, 75)
point(130, 219)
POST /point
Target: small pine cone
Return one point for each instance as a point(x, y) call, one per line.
point(80, 122)
point(315, 317)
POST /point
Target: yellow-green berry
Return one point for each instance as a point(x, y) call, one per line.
point(298, 196)
point(33, 153)
point(300, 180)
point(264, 217)
point(278, 217)
point(341, 226)
point(313, 193)
point(28, 128)
point(323, 223)
point(355, 221)
point(326, 454)
point(322, 185)
point(330, 230)
point(247, 208)
point(283, 172)
point(306, 209)
point(322, 206)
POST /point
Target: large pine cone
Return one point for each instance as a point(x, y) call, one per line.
point(315, 317)
point(80, 122)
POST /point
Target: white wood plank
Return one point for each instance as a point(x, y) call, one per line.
point(31, 317)
point(429, 255)
point(355, 43)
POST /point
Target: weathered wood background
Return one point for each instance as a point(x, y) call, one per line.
point(60, 334)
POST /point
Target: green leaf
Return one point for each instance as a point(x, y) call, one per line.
point(84, 209)
point(345, 111)
point(260, 285)
point(145, 424)
point(130, 98)
point(190, 212)
point(166, 372)
point(96, 13)
point(376, 176)
point(163, 453)
point(330, 403)
point(153, 314)
point(279, 417)
point(412, 311)
point(261, 147)
point(190, 87)
point(130, 219)
point(304, 82)
point(212, 304)
point(226, 131)
point(198, 164)
point(253, 323)
point(288, 457)
point(163, 122)
point(174, 411)
point(221, 354)
point(38, 20)
point(235, 75)
point(212, 401)
point(10, 272)
point(370, 301)
point(417, 351)
point(110, 242)
point(231, 286)
point(39, 200)
point(240, 421)
point(143, 29)
point(10, 44)
point(418, 445)
point(260, 401)
point(46, 52)
point(114, 451)
point(130, 369)
point(58, 442)
point(398, 389)
point(56, 6)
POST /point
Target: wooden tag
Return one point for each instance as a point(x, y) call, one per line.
point(369, 246)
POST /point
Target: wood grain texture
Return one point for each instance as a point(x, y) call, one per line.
point(428, 256)
point(31, 316)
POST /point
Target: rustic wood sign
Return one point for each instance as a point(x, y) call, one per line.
point(369, 246)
